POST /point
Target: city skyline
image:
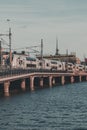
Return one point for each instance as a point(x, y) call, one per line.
point(32, 21)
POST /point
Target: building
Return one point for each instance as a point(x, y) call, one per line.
point(61, 57)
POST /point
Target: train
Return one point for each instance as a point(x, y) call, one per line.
point(27, 62)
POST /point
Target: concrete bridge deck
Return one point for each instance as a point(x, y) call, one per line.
point(52, 78)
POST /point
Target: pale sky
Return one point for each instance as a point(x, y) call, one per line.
point(33, 20)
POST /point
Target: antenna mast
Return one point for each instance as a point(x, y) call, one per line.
point(10, 55)
point(41, 49)
point(57, 50)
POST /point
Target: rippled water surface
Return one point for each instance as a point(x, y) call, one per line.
point(58, 108)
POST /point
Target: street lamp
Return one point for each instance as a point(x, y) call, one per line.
point(10, 34)
point(41, 53)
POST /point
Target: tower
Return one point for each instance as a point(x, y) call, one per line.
point(57, 50)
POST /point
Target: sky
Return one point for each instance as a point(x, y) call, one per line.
point(33, 20)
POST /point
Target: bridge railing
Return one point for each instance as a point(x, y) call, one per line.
point(13, 72)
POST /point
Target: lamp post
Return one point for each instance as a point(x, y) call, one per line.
point(41, 53)
point(10, 53)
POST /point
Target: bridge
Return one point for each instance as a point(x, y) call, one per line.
point(37, 77)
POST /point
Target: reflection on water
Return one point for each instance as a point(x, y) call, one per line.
point(58, 108)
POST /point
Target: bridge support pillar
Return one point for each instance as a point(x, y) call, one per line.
point(23, 86)
point(80, 78)
point(6, 88)
point(41, 82)
point(53, 81)
point(86, 78)
point(50, 81)
point(62, 80)
point(32, 83)
point(72, 79)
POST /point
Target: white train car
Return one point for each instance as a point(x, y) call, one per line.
point(85, 68)
point(79, 67)
point(70, 67)
point(18, 61)
point(61, 66)
point(45, 64)
point(54, 64)
point(24, 61)
point(32, 62)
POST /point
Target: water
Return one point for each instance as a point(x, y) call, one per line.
point(58, 108)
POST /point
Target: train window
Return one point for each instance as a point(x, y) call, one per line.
point(47, 64)
point(30, 65)
point(74, 67)
point(20, 62)
point(30, 59)
point(60, 66)
point(40, 64)
point(53, 62)
point(54, 68)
